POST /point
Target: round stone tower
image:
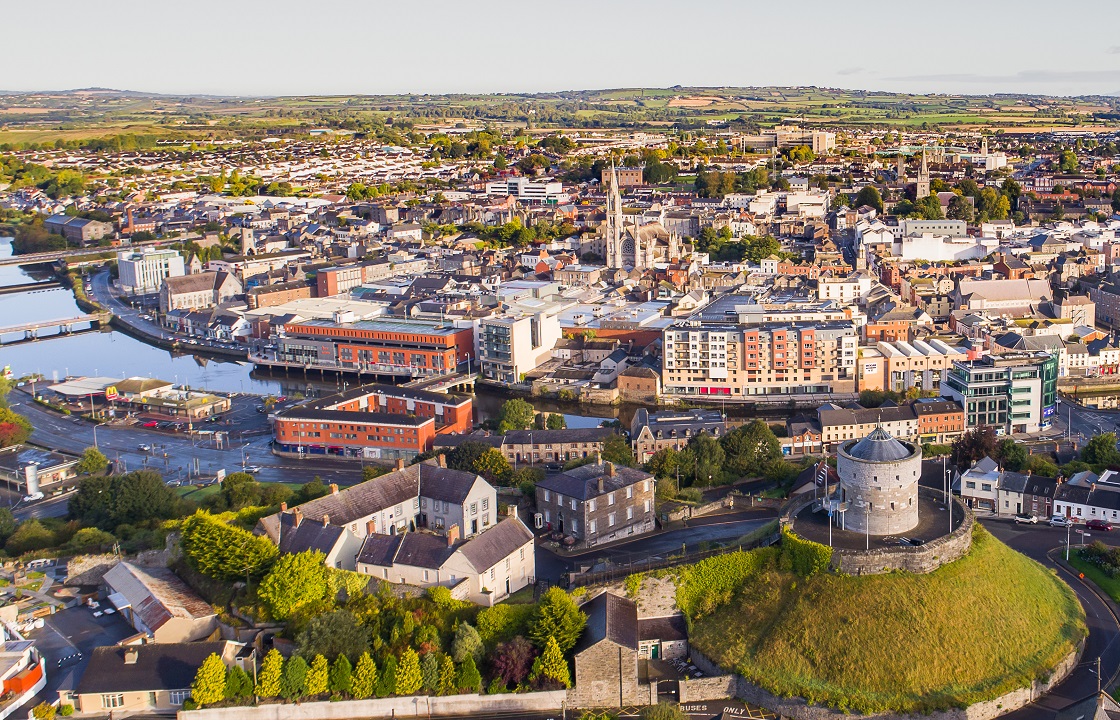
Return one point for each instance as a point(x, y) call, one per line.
point(879, 482)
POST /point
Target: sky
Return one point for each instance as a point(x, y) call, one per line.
point(340, 47)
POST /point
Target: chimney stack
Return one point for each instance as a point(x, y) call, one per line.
point(298, 516)
point(511, 510)
point(609, 467)
point(283, 507)
point(452, 534)
point(334, 488)
point(400, 464)
point(601, 490)
point(326, 520)
point(442, 460)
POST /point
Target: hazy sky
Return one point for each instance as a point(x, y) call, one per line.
point(281, 47)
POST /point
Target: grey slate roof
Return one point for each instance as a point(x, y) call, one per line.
point(612, 618)
point(567, 435)
point(583, 482)
point(311, 535)
point(879, 446)
point(488, 549)
point(159, 666)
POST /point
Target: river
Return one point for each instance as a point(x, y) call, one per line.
point(115, 354)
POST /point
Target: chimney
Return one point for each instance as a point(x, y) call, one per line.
point(442, 460)
point(609, 468)
point(400, 464)
point(600, 485)
point(283, 507)
point(131, 656)
point(511, 510)
point(334, 488)
point(297, 516)
point(326, 520)
point(452, 534)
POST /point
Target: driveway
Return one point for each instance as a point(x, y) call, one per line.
point(70, 631)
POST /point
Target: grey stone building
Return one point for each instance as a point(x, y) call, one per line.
point(879, 483)
point(597, 503)
point(606, 656)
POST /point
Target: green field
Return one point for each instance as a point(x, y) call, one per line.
point(1110, 585)
point(972, 630)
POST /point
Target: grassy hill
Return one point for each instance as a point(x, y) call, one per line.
point(970, 631)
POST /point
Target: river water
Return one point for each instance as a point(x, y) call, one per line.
point(114, 354)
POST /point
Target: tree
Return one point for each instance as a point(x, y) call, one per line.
point(238, 684)
point(466, 642)
point(90, 540)
point(556, 421)
point(447, 677)
point(868, 195)
point(209, 684)
point(664, 463)
point(14, 428)
point(557, 616)
point(500, 162)
point(268, 679)
point(973, 445)
point(749, 448)
point(30, 535)
point(333, 634)
point(365, 677)
point(409, 677)
point(470, 680)
point(513, 660)
point(465, 455)
point(318, 676)
point(929, 208)
point(1068, 162)
point(708, 458)
point(429, 672)
point(516, 414)
point(616, 449)
point(92, 462)
point(44, 711)
point(493, 466)
point(1101, 450)
point(7, 524)
point(222, 551)
point(340, 679)
point(387, 680)
point(293, 683)
point(294, 581)
point(132, 499)
point(960, 209)
point(551, 665)
point(1012, 455)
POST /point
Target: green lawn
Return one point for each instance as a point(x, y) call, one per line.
point(1110, 585)
point(973, 630)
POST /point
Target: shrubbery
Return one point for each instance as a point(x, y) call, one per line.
point(1105, 557)
point(804, 557)
point(709, 583)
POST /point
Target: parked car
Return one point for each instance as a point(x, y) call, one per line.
point(151, 424)
point(1060, 521)
point(1025, 519)
point(144, 448)
point(1102, 525)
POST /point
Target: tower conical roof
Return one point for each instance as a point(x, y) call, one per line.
point(879, 446)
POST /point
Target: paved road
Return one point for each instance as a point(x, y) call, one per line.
point(723, 528)
point(1104, 628)
point(1086, 422)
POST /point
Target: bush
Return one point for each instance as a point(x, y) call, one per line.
point(709, 583)
point(804, 557)
point(502, 623)
point(66, 710)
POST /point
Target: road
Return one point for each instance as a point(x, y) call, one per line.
point(1086, 422)
point(175, 455)
point(1104, 628)
point(722, 528)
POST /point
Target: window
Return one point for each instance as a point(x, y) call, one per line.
point(112, 700)
point(547, 496)
point(591, 505)
point(610, 519)
point(522, 551)
point(546, 516)
point(610, 499)
point(573, 503)
point(507, 563)
point(629, 513)
point(425, 576)
point(647, 506)
point(593, 527)
point(986, 487)
point(474, 508)
point(645, 486)
point(629, 491)
point(178, 696)
point(485, 503)
point(970, 485)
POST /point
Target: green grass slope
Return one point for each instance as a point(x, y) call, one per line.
point(977, 628)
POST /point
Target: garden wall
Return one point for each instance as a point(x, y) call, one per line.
point(416, 706)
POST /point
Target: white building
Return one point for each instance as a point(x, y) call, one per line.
point(529, 190)
point(143, 272)
point(514, 343)
point(943, 248)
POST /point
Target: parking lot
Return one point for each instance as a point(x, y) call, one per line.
point(69, 632)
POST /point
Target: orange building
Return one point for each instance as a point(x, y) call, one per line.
point(373, 422)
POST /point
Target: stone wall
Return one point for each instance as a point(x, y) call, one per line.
point(418, 706)
point(89, 569)
point(708, 688)
point(922, 559)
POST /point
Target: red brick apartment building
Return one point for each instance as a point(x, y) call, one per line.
point(375, 422)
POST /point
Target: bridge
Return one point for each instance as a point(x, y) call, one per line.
point(31, 286)
point(459, 382)
point(65, 326)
